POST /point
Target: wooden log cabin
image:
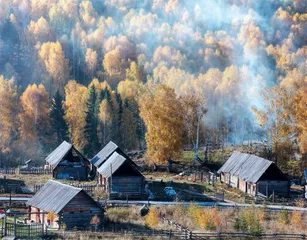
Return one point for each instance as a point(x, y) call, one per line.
point(254, 175)
point(121, 178)
point(67, 162)
point(69, 205)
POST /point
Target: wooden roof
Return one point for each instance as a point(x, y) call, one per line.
point(58, 154)
point(53, 196)
point(113, 163)
point(63, 150)
point(247, 167)
point(106, 152)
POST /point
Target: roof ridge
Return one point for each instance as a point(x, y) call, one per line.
point(66, 185)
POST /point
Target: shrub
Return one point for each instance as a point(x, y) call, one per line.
point(192, 210)
point(95, 221)
point(51, 216)
point(179, 212)
point(300, 203)
point(152, 218)
point(249, 220)
point(296, 219)
point(283, 216)
point(205, 218)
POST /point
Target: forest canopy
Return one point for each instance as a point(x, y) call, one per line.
point(81, 70)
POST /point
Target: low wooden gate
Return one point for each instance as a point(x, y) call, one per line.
point(19, 230)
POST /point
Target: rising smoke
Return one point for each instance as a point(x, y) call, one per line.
point(217, 47)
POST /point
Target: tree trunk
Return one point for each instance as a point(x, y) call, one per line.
point(196, 145)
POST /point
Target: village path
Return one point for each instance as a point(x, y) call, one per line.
point(160, 203)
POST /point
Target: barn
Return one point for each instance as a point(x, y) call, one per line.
point(67, 162)
point(69, 205)
point(254, 175)
point(121, 177)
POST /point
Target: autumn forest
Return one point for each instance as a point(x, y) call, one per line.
point(158, 75)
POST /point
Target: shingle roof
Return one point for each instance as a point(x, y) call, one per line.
point(247, 167)
point(53, 196)
point(111, 165)
point(104, 154)
point(57, 155)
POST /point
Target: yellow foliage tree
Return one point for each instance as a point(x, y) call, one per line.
point(34, 119)
point(75, 107)
point(39, 31)
point(91, 60)
point(152, 218)
point(8, 112)
point(300, 116)
point(277, 120)
point(161, 112)
point(55, 62)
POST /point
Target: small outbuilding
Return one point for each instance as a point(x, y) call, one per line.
point(254, 175)
point(121, 177)
point(67, 162)
point(57, 203)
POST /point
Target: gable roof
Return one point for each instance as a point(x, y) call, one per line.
point(247, 167)
point(106, 152)
point(113, 163)
point(58, 154)
point(53, 196)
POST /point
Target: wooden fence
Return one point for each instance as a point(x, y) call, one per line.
point(41, 171)
point(7, 171)
point(171, 234)
point(87, 188)
point(13, 171)
point(188, 234)
point(24, 231)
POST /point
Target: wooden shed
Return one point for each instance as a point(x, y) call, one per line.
point(68, 163)
point(121, 177)
point(254, 175)
point(69, 205)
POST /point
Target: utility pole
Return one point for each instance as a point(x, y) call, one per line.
point(111, 178)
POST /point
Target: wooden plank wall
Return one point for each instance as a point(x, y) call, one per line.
point(280, 188)
point(80, 211)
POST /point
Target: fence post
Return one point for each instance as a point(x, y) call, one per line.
point(15, 225)
point(170, 235)
point(5, 225)
point(29, 231)
point(43, 223)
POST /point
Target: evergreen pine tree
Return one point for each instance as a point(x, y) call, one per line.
point(102, 95)
point(119, 119)
point(108, 97)
point(59, 126)
point(91, 122)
